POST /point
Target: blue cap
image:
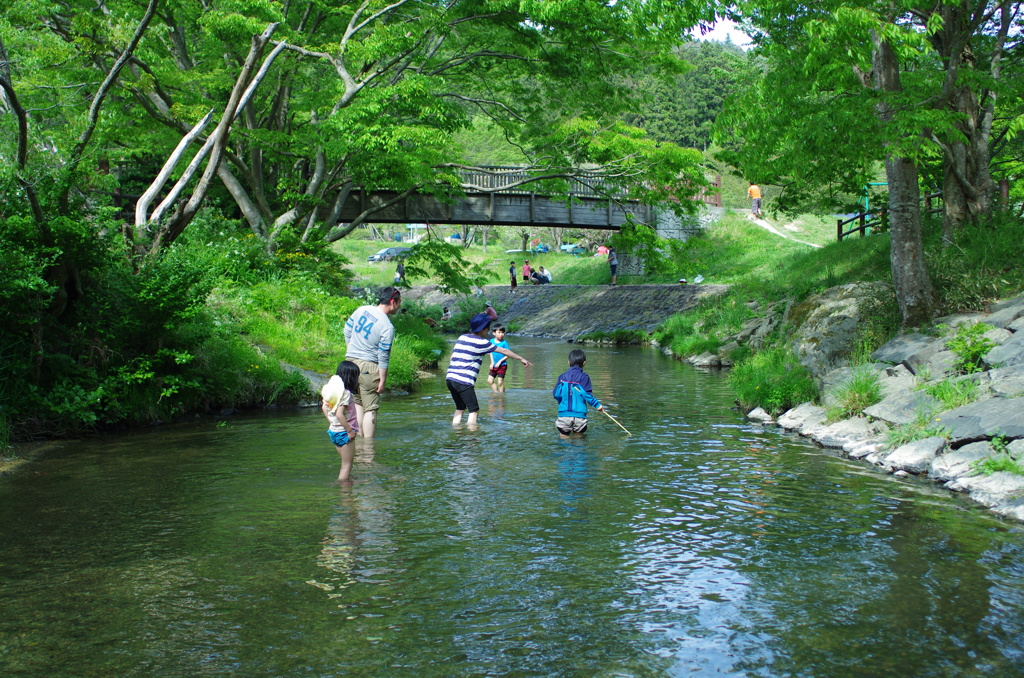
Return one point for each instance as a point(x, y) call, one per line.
point(479, 322)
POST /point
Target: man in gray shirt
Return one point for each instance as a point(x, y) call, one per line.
point(368, 337)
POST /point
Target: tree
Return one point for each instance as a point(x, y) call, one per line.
point(334, 95)
point(849, 85)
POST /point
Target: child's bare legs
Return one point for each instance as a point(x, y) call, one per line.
point(457, 419)
point(346, 452)
point(471, 418)
point(490, 382)
point(499, 385)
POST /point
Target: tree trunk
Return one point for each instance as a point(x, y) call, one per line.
point(910, 278)
point(906, 250)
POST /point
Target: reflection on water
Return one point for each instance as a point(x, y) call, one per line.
point(700, 545)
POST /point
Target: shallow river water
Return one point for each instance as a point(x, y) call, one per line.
point(700, 545)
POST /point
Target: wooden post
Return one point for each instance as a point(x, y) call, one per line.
point(839, 230)
point(863, 229)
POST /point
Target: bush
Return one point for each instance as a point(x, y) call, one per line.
point(860, 392)
point(773, 380)
point(953, 394)
point(970, 346)
point(924, 425)
point(982, 264)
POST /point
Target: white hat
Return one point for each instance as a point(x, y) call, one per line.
point(333, 390)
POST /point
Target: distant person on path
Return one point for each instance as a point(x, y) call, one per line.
point(491, 313)
point(464, 367)
point(339, 408)
point(400, 273)
point(613, 262)
point(512, 274)
point(499, 366)
point(755, 200)
point(527, 271)
point(368, 337)
point(573, 392)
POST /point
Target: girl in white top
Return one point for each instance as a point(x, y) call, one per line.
point(339, 408)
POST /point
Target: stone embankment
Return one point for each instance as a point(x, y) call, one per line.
point(568, 311)
point(989, 428)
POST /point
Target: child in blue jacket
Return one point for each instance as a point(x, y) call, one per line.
point(573, 393)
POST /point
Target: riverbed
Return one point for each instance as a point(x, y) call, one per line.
point(699, 545)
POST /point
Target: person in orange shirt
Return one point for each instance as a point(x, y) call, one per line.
point(755, 200)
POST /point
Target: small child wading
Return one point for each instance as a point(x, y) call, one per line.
point(464, 367)
point(499, 365)
point(339, 408)
point(573, 392)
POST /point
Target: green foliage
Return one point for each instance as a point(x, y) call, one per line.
point(773, 380)
point(617, 337)
point(443, 263)
point(953, 393)
point(700, 330)
point(970, 346)
point(1002, 461)
point(861, 391)
point(681, 107)
point(982, 264)
point(924, 425)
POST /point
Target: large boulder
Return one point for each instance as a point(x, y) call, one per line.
point(826, 325)
point(803, 417)
point(903, 408)
point(959, 463)
point(916, 457)
point(900, 348)
point(983, 419)
point(1007, 354)
point(998, 488)
point(1005, 312)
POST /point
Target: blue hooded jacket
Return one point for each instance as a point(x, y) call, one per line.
point(573, 393)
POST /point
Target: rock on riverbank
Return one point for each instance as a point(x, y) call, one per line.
point(990, 427)
point(567, 311)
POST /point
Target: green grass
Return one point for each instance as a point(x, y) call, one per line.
point(953, 394)
point(924, 425)
point(860, 392)
point(565, 268)
point(303, 325)
point(773, 380)
point(617, 337)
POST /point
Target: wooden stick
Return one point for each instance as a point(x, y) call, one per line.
point(617, 422)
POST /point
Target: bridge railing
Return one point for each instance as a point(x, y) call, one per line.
point(495, 177)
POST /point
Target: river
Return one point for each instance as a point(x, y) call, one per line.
point(701, 545)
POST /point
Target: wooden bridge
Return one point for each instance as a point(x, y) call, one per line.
point(487, 201)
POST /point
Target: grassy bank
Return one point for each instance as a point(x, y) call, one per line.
point(985, 263)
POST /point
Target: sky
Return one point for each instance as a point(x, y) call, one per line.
point(724, 28)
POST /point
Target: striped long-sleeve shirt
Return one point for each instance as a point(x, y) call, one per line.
point(469, 351)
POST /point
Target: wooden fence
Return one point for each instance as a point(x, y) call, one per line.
point(867, 220)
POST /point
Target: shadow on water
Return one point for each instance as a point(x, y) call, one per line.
point(700, 545)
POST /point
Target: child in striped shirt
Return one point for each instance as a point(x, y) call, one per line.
point(464, 367)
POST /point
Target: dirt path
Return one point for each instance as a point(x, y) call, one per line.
point(567, 311)
point(771, 229)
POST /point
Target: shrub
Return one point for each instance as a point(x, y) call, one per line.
point(1002, 461)
point(953, 394)
point(860, 392)
point(924, 425)
point(772, 379)
point(970, 346)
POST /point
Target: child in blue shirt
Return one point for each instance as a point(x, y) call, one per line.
point(499, 362)
point(573, 392)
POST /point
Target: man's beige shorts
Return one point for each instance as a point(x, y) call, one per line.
point(369, 378)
